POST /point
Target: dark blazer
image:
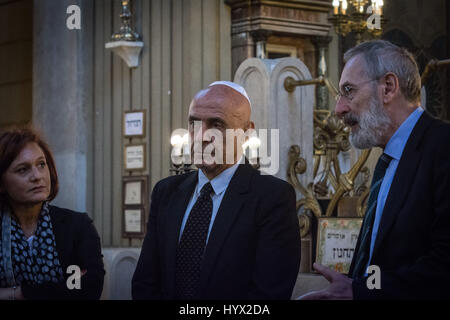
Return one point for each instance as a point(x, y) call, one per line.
point(253, 250)
point(77, 243)
point(412, 247)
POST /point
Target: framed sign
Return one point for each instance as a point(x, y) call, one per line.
point(134, 123)
point(336, 242)
point(133, 222)
point(133, 193)
point(134, 206)
point(134, 157)
point(134, 190)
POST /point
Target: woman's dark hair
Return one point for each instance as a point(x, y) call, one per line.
point(12, 141)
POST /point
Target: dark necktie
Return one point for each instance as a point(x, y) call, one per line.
point(362, 256)
point(192, 245)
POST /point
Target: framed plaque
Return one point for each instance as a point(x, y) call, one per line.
point(134, 190)
point(133, 222)
point(134, 123)
point(134, 157)
point(336, 242)
point(134, 206)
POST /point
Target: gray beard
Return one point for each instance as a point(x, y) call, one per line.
point(372, 126)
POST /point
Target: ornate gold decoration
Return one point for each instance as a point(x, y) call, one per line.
point(362, 203)
point(297, 165)
point(126, 33)
point(355, 15)
point(330, 138)
point(309, 203)
point(346, 182)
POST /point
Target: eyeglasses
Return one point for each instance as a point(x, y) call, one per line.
point(350, 91)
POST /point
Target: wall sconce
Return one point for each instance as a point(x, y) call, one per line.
point(181, 151)
point(126, 43)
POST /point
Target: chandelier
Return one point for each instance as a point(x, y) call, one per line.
point(358, 16)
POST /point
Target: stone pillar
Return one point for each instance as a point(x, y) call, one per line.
point(321, 91)
point(62, 95)
point(275, 108)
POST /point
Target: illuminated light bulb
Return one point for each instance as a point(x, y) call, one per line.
point(254, 143)
point(380, 7)
point(186, 144)
point(336, 6)
point(344, 6)
point(176, 140)
point(177, 143)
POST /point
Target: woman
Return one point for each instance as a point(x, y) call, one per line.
point(38, 241)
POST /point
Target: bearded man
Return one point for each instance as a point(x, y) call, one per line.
point(406, 228)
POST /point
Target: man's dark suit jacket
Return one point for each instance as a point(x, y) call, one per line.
point(77, 243)
point(412, 247)
point(253, 251)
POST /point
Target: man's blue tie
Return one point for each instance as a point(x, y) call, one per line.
point(192, 245)
point(362, 255)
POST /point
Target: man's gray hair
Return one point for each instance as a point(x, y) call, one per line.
point(381, 57)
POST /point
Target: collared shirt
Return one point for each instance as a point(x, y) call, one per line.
point(394, 149)
point(219, 185)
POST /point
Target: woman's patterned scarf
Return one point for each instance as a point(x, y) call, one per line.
point(20, 263)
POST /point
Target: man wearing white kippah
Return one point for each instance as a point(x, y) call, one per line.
point(224, 231)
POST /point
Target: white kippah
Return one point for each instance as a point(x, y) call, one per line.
point(235, 87)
